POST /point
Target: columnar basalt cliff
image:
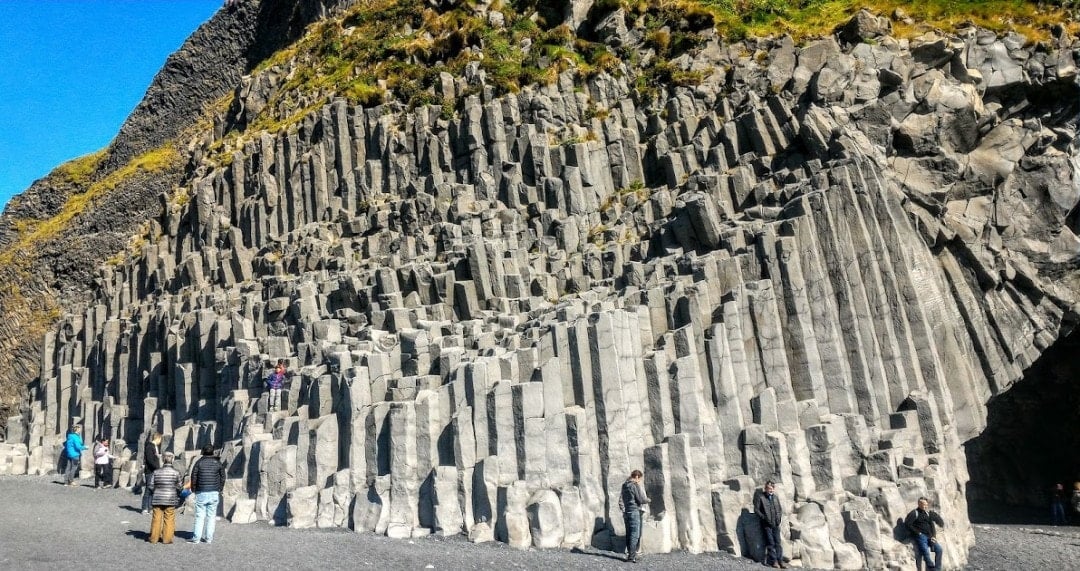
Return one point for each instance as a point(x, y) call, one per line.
point(56, 233)
point(815, 265)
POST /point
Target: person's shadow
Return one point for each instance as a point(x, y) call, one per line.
point(130, 508)
point(139, 534)
point(145, 535)
point(606, 554)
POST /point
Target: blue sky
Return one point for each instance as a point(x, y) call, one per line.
point(72, 70)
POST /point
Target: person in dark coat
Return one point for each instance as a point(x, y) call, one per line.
point(165, 485)
point(770, 513)
point(151, 462)
point(922, 522)
point(207, 482)
point(1059, 498)
point(632, 501)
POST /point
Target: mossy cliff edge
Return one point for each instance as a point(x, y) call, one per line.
point(513, 250)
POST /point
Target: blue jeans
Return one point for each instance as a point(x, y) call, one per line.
point(147, 495)
point(206, 504)
point(922, 549)
point(633, 532)
point(774, 552)
point(71, 469)
point(1057, 513)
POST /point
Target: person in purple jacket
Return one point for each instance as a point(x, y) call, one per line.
point(275, 382)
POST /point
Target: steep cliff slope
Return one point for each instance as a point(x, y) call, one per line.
point(56, 233)
point(512, 255)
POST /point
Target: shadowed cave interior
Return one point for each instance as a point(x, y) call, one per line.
point(1031, 441)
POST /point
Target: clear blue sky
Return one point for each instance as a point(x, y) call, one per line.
point(72, 70)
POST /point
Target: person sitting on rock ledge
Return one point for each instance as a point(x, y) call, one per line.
point(767, 507)
point(921, 523)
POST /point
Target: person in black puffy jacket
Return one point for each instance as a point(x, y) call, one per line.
point(207, 481)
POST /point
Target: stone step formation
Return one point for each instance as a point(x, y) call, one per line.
point(491, 319)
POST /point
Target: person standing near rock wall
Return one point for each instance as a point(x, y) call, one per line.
point(921, 523)
point(151, 462)
point(1059, 498)
point(102, 463)
point(770, 513)
point(165, 484)
point(1076, 502)
point(632, 501)
point(207, 482)
point(73, 449)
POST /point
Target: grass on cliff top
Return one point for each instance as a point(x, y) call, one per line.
point(33, 232)
point(384, 50)
point(804, 19)
point(80, 171)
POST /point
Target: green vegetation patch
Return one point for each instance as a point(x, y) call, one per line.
point(804, 19)
point(395, 50)
point(33, 232)
point(80, 171)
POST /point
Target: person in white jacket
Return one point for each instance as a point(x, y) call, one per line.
point(102, 464)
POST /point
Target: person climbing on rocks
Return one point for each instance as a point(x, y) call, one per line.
point(73, 449)
point(165, 484)
point(921, 523)
point(770, 513)
point(275, 382)
point(632, 501)
point(151, 462)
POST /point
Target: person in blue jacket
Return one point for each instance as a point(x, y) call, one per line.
point(73, 449)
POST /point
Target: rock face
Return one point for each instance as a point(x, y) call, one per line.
point(492, 318)
point(59, 270)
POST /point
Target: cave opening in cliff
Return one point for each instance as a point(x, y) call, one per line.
point(1031, 441)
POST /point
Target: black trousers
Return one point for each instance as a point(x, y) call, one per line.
point(102, 474)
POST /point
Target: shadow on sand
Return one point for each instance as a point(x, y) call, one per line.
point(605, 554)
